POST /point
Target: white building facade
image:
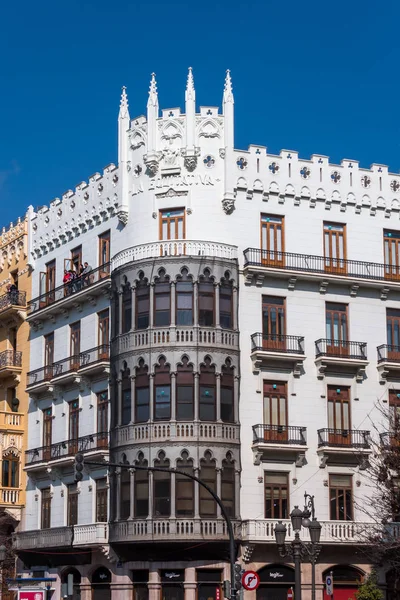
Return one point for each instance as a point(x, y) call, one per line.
point(255, 324)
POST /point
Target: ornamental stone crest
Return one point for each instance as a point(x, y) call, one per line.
point(228, 205)
point(394, 185)
point(190, 162)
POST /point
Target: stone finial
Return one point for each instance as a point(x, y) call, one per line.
point(228, 91)
point(123, 105)
point(190, 81)
point(153, 97)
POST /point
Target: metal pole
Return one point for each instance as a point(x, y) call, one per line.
point(297, 566)
point(313, 579)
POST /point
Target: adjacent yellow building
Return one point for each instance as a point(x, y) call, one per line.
point(15, 285)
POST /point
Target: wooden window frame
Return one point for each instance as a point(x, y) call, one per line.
point(277, 258)
point(45, 508)
point(11, 460)
point(102, 415)
point(227, 466)
point(74, 336)
point(339, 346)
point(72, 504)
point(73, 410)
point(104, 272)
point(47, 433)
point(281, 487)
point(342, 434)
point(101, 500)
point(278, 431)
point(169, 220)
point(223, 286)
point(392, 267)
point(141, 479)
point(103, 317)
point(331, 488)
point(329, 268)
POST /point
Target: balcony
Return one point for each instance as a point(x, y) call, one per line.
point(184, 336)
point(259, 264)
point(70, 295)
point(10, 363)
point(179, 432)
point(94, 445)
point(388, 361)
point(174, 248)
point(69, 370)
point(344, 446)
point(11, 421)
point(333, 532)
point(337, 356)
point(274, 350)
point(389, 440)
point(56, 537)
point(275, 442)
point(9, 496)
point(142, 530)
point(90, 535)
point(13, 307)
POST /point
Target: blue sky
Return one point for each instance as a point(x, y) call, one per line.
point(317, 77)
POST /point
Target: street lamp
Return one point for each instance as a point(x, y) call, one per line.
point(297, 549)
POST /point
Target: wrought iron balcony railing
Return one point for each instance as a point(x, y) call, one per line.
point(67, 365)
point(10, 358)
point(309, 263)
point(389, 439)
point(344, 438)
point(71, 288)
point(341, 349)
point(87, 443)
point(388, 353)
point(274, 342)
point(279, 434)
point(15, 298)
point(94, 355)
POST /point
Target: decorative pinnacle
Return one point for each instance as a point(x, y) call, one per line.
point(228, 83)
point(190, 81)
point(153, 99)
point(123, 106)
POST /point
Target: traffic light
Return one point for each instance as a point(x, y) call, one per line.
point(238, 576)
point(78, 466)
point(227, 589)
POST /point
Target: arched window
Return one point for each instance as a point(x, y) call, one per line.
point(162, 488)
point(162, 391)
point(208, 474)
point(126, 397)
point(227, 392)
point(346, 581)
point(101, 580)
point(10, 472)
point(184, 391)
point(207, 391)
point(142, 393)
point(206, 300)
point(184, 487)
point(228, 485)
point(226, 302)
point(162, 300)
point(142, 302)
point(125, 494)
point(126, 308)
point(184, 299)
point(141, 488)
point(76, 579)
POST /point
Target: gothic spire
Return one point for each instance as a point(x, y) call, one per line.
point(190, 85)
point(228, 92)
point(153, 97)
point(123, 106)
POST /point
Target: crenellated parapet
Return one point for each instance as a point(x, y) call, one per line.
point(87, 206)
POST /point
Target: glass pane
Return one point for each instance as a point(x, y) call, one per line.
point(336, 327)
point(184, 301)
point(282, 412)
point(184, 317)
point(346, 416)
point(331, 421)
point(271, 239)
point(180, 235)
point(279, 240)
point(386, 247)
point(340, 480)
point(164, 234)
point(274, 411)
point(328, 326)
point(264, 237)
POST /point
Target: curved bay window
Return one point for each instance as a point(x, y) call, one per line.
point(142, 393)
point(162, 488)
point(162, 301)
point(126, 308)
point(228, 485)
point(208, 474)
point(10, 471)
point(184, 391)
point(207, 383)
point(227, 392)
point(142, 302)
point(226, 303)
point(184, 299)
point(206, 300)
point(126, 398)
point(141, 488)
point(162, 391)
point(184, 487)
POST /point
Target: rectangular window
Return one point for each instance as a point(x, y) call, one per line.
point(162, 408)
point(393, 333)
point(142, 404)
point(274, 322)
point(76, 259)
point(126, 310)
point(276, 495)
point(336, 328)
point(50, 276)
point(208, 506)
point(141, 494)
point(275, 411)
point(48, 356)
point(335, 247)
point(226, 306)
point(341, 497)
point(126, 406)
point(206, 304)
point(162, 494)
point(272, 240)
point(45, 521)
point(47, 433)
point(102, 419)
point(125, 494)
point(101, 500)
point(73, 433)
point(162, 304)
point(75, 344)
point(10, 472)
point(339, 418)
point(104, 254)
point(391, 243)
point(72, 504)
point(142, 306)
point(184, 303)
point(172, 224)
point(104, 332)
point(184, 493)
point(207, 403)
point(184, 402)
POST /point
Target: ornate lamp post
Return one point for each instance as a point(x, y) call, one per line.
point(297, 549)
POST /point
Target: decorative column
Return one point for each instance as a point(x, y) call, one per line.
point(216, 286)
point(196, 473)
point(196, 396)
point(118, 495)
point(219, 488)
point(133, 387)
point(173, 484)
point(173, 396)
point(195, 303)
point(237, 494)
point(173, 303)
point(119, 402)
point(154, 585)
point(133, 289)
point(218, 397)
point(151, 311)
point(132, 494)
point(151, 487)
point(151, 394)
point(235, 308)
point(190, 584)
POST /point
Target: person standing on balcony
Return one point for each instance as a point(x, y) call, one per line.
point(85, 274)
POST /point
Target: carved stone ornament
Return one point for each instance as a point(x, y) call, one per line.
point(228, 204)
point(123, 216)
point(222, 152)
point(152, 161)
point(190, 162)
